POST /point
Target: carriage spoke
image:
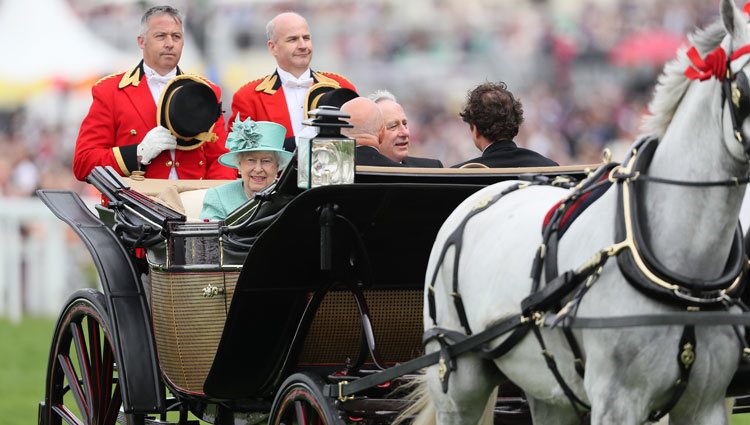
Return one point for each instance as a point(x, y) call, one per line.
point(84, 366)
point(66, 415)
point(75, 386)
point(99, 372)
point(114, 407)
point(299, 409)
point(106, 381)
point(95, 366)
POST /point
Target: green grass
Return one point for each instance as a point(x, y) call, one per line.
point(24, 349)
point(23, 366)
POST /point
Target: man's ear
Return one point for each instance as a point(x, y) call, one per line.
point(381, 135)
point(474, 131)
point(141, 42)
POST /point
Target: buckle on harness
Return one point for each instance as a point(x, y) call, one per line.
point(341, 396)
point(446, 364)
point(538, 318)
point(442, 369)
point(687, 356)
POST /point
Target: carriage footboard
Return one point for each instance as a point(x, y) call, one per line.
point(126, 302)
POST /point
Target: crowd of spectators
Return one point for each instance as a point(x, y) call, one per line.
point(555, 55)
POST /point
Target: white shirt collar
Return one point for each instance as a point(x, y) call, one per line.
point(286, 76)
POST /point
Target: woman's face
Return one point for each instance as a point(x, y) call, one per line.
point(258, 170)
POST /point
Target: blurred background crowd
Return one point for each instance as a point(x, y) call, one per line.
point(584, 71)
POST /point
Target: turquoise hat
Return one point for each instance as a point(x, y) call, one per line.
point(255, 136)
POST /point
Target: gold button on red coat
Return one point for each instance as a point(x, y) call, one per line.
point(169, 163)
point(201, 162)
point(133, 132)
point(176, 164)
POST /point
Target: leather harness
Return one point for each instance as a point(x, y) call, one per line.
point(635, 260)
point(543, 307)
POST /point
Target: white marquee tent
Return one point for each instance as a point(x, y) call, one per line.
point(44, 39)
point(43, 42)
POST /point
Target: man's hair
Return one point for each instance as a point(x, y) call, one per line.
point(271, 25)
point(493, 110)
point(381, 95)
point(159, 10)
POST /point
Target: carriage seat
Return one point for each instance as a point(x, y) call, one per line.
point(183, 196)
point(192, 202)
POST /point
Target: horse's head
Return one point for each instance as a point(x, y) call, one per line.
point(735, 87)
point(716, 60)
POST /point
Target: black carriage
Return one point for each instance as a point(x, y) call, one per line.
point(265, 316)
point(261, 316)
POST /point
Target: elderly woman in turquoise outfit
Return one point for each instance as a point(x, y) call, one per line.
point(256, 149)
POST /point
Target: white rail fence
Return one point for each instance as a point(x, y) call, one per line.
point(41, 260)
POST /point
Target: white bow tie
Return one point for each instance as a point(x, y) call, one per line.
point(156, 78)
point(304, 83)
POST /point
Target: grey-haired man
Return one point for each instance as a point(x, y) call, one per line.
point(395, 142)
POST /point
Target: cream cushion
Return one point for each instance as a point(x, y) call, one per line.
point(192, 201)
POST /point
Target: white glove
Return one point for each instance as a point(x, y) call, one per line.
point(156, 140)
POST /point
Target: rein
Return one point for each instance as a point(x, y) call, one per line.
point(734, 181)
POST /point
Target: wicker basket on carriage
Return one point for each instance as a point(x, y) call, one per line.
point(191, 291)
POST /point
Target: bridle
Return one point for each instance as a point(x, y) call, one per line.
point(735, 90)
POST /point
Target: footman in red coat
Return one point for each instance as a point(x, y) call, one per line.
point(121, 127)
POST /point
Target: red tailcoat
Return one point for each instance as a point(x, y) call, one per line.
point(122, 112)
point(263, 99)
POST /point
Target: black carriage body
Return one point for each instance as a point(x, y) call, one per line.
point(380, 242)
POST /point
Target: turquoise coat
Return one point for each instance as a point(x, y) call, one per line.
point(222, 200)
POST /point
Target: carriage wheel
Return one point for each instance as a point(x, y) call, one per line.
point(300, 401)
point(82, 381)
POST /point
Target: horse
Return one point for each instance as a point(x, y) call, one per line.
point(690, 228)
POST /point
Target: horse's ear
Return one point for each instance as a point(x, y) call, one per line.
point(734, 20)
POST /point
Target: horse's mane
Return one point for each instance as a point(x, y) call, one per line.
point(673, 84)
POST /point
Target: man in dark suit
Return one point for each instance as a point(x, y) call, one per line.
point(494, 116)
point(367, 131)
point(395, 142)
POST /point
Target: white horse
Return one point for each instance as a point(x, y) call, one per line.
point(630, 372)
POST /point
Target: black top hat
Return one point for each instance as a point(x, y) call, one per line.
point(336, 97)
point(315, 93)
point(188, 108)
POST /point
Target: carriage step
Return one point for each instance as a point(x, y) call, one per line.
point(150, 420)
point(41, 414)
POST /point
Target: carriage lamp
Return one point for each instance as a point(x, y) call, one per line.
point(327, 158)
